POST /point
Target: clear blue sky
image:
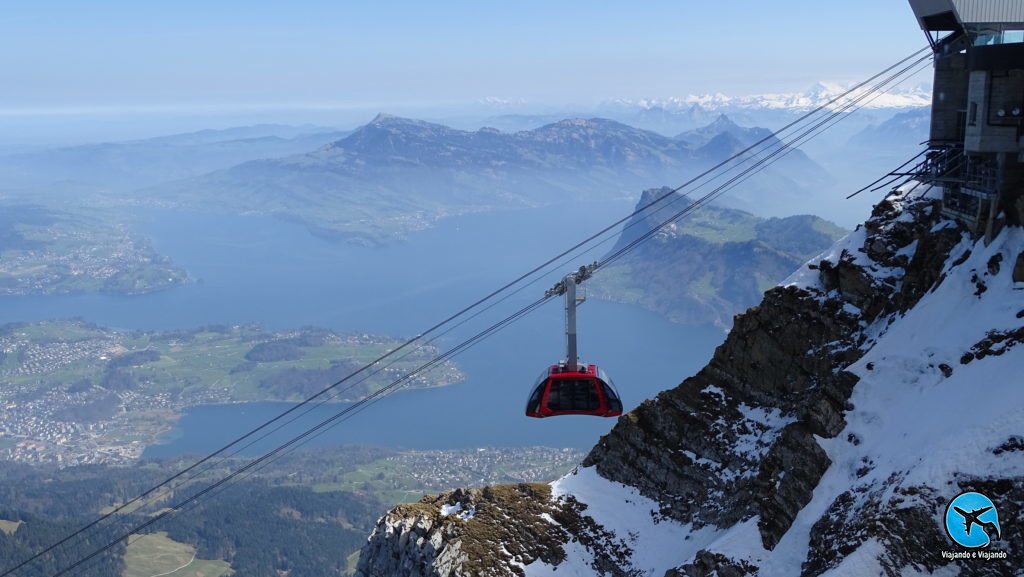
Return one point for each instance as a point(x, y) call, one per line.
point(142, 53)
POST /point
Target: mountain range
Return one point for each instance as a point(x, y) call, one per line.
point(395, 175)
point(906, 130)
point(820, 94)
point(128, 165)
point(675, 114)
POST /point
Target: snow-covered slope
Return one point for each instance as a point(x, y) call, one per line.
point(826, 437)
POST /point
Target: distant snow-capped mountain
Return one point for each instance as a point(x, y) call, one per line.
point(818, 95)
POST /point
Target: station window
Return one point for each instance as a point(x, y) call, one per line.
point(1013, 37)
point(1004, 37)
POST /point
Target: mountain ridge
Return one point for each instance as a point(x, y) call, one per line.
point(711, 264)
point(396, 175)
point(130, 164)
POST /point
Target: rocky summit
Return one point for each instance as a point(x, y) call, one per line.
point(828, 435)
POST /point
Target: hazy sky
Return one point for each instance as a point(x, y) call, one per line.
point(212, 53)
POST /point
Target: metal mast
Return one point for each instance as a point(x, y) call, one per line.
point(571, 356)
point(567, 286)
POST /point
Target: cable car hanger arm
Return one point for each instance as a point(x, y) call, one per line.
point(580, 275)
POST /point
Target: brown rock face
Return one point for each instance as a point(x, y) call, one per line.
point(493, 531)
point(429, 539)
point(783, 359)
point(709, 564)
point(762, 369)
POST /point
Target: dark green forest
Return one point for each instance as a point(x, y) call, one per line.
point(263, 524)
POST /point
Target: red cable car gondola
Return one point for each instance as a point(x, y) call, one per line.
point(570, 387)
point(585, 391)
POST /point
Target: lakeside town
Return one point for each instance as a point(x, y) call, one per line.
point(46, 252)
point(72, 393)
point(402, 476)
point(445, 470)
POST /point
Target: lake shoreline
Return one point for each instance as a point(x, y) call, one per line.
point(284, 276)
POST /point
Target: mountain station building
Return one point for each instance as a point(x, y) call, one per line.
point(976, 142)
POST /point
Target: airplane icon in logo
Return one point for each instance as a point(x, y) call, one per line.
point(971, 519)
point(967, 510)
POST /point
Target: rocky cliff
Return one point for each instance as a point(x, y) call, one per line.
point(826, 436)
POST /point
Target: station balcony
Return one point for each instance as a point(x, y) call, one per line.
point(969, 183)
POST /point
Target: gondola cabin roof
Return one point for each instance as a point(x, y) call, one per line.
point(585, 391)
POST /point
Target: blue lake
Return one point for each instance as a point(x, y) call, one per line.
point(254, 269)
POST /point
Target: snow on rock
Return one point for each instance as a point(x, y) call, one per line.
point(927, 422)
point(825, 437)
point(655, 542)
point(447, 509)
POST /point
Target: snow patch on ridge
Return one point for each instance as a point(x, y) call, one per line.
point(658, 543)
point(758, 430)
